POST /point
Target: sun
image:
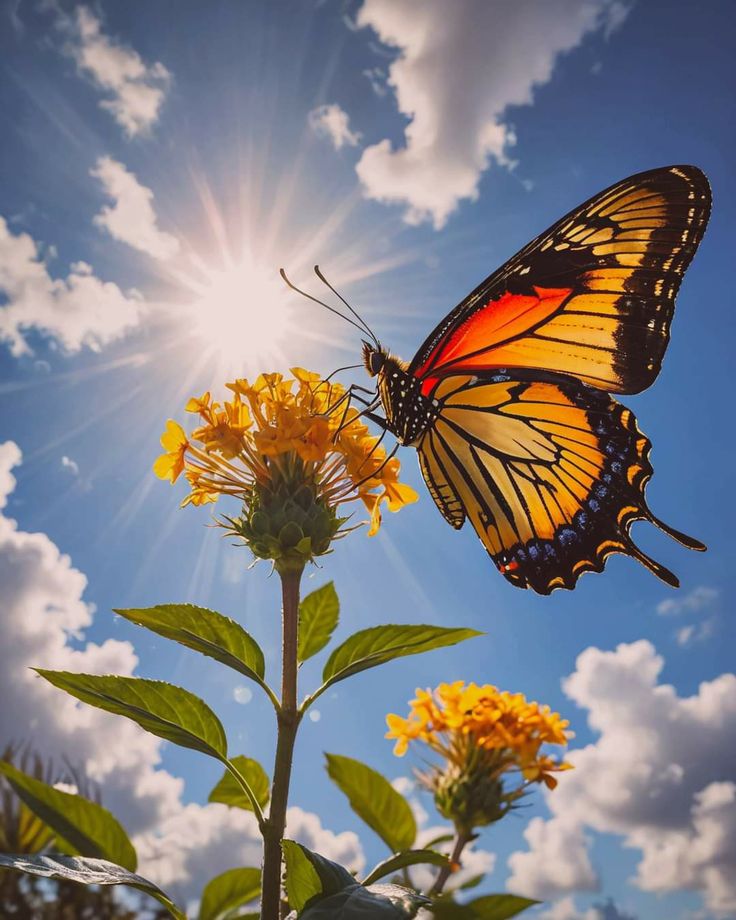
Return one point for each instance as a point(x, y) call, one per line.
point(241, 317)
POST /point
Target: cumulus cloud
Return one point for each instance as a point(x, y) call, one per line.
point(697, 600)
point(454, 78)
point(134, 90)
point(332, 122)
point(131, 217)
point(557, 861)
point(10, 457)
point(79, 310)
point(44, 619)
point(660, 775)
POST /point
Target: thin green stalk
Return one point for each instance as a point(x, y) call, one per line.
point(288, 723)
point(462, 839)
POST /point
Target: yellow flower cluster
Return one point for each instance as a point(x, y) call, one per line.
point(460, 722)
point(301, 429)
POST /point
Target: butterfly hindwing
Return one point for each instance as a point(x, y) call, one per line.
point(550, 472)
point(592, 297)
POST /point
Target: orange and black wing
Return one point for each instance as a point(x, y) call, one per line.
point(551, 474)
point(592, 297)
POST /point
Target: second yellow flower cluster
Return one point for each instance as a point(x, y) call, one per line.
point(458, 721)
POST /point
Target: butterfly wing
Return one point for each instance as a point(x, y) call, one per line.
point(551, 474)
point(592, 297)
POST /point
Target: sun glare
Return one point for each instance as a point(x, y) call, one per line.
point(242, 316)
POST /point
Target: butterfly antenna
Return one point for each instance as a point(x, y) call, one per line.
point(320, 302)
point(338, 370)
point(355, 313)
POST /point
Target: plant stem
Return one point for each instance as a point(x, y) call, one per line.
point(288, 723)
point(462, 839)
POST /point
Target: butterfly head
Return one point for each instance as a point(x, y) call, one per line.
point(374, 358)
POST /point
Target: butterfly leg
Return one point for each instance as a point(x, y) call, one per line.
point(389, 456)
point(364, 413)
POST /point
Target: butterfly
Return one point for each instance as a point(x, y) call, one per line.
point(508, 401)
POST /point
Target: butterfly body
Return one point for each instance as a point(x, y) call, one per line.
point(508, 400)
point(409, 413)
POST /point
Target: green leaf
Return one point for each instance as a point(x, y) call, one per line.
point(489, 907)
point(309, 875)
point(204, 631)
point(379, 902)
point(162, 709)
point(228, 891)
point(374, 799)
point(379, 644)
point(88, 872)
point(318, 616)
point(403, 860)
point(229, 792)
point(82, 827)
point(301, 879)
point(318, 889)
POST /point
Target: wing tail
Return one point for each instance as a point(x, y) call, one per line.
point(654, 567)
point(682, 538)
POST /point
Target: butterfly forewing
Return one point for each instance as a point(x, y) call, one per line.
point(592, 297)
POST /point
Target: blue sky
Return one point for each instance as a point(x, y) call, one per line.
point(159, 163)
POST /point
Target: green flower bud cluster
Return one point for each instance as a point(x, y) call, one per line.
point(288, 525)
point(470, 797)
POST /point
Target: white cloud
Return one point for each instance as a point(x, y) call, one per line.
point(79, 310)
point(697, 600)
point(454, 77)
point(131, 218)
point(10, 457)
point(71, 466)
point(557, 861)
point(695, 632)
point(44, 617)
point(135, 90)
point(332, 122)
point(660, 775)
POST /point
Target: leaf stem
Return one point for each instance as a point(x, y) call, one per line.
point(245, 786)
point(462, 839)
point(288, 722)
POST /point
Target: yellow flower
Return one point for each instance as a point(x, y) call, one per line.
point(200, 405)
point(489, 744)
point(174, 441)
point(280, 434)
point(226, 426)
point(201, 493)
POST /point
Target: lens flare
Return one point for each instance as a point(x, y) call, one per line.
point(242, 316)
